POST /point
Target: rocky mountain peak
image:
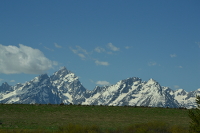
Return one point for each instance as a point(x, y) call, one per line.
point(40, 78)
point(152, 81)
point(43, 76)
point(5, 84)
point(198, 90)
point(60, 73)
point(5, 87)
point(180, 92)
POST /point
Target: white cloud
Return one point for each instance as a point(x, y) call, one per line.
point(112, 47)
point(198, 43)
point(73, 50)
point(152, 63)
point(102, 83)
point(91, 80)
point(109, 53)
point(48, 48)
point(54, 63)
point(180, 66)
point(109, 46)
point(103, 63)
point(127, 47)
point(23, 59)
point(172, 55)
point(12, 80)
point(81, 55)
point(80, 52)
point(99, 49)
point(57, 46)
point(176, 86)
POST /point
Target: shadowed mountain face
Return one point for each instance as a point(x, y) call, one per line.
point(5, 88)
point(64, 86)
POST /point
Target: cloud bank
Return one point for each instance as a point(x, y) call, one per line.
point(23, 59)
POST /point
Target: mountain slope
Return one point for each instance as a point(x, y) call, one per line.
point(64, 86)
point(134, 92)
point(69, 87)
point(38, 90)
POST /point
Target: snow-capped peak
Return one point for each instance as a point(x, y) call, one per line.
point(198, 90)
point(180, 92)
point(60, 73)
point(4, 84)
point(151, 81)
point(41, 77)
point(64, 86)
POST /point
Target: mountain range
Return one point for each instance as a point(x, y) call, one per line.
point(64, 86)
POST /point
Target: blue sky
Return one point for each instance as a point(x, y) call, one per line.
point(102, 42)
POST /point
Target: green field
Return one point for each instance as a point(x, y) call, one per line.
point(50, 117)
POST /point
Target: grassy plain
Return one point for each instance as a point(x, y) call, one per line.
point(50, 117)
